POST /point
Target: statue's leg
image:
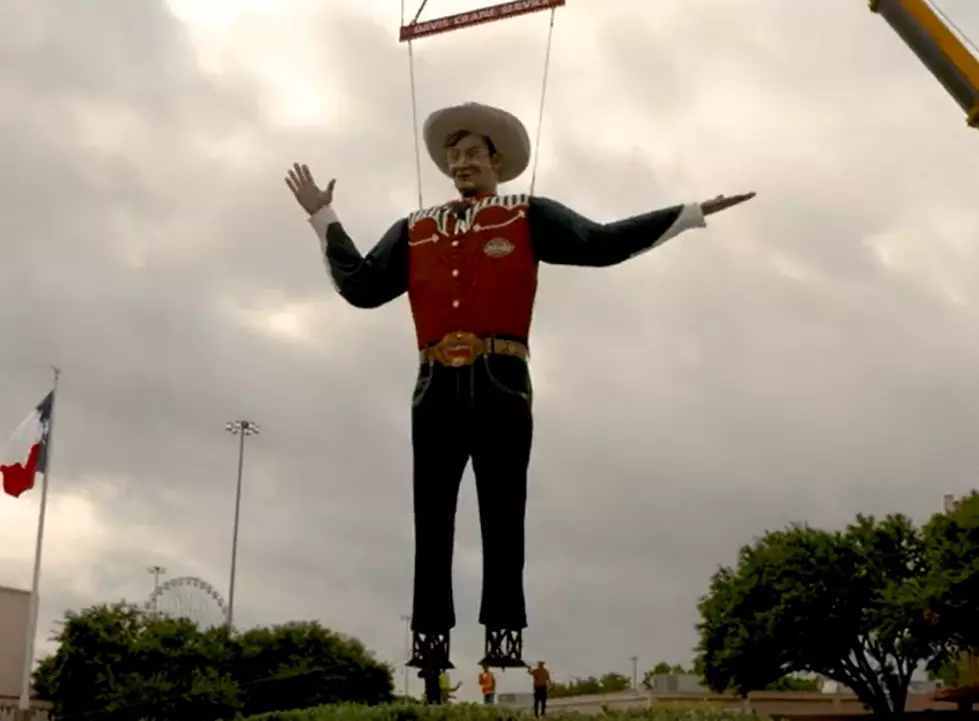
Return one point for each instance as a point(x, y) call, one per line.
point(440, 449)
point(502, 439)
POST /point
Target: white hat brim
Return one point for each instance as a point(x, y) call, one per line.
point(505, 130)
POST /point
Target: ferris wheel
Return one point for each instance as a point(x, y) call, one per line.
point(191, 598)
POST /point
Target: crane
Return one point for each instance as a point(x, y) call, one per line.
point(927, 33)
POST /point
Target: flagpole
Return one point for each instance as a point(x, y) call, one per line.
point(25, 683)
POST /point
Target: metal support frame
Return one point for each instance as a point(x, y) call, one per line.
point(504, 648)
point(430, 651)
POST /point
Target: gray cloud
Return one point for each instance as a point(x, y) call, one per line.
point(809, 356)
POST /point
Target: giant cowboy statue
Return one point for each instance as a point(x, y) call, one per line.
point(469, 268)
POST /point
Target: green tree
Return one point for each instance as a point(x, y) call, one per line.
point(612, 682)
point(576, 687)
point(952, 543)
point(661, 669)
point(948, 671)
point(117, 663)
point(785, 683)
point(592, 685)
point(173, 670)
point(299, 665)
point(798, 684)
point(848, 606)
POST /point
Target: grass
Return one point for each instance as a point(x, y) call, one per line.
point(474, 712)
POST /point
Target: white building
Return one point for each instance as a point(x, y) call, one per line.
point(15, 606)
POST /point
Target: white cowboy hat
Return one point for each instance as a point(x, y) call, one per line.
point(505, 130)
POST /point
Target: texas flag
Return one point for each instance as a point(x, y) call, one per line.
point(26, 453)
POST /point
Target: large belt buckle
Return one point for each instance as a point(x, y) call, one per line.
point(459, 349)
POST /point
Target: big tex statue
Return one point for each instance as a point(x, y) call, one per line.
point(469, 268)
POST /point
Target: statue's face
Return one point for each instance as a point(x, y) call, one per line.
point(473, 164)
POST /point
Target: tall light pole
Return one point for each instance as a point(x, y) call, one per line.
point(242, 429)
point(156, 572)
point(406, 619)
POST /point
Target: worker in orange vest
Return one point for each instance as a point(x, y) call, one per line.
point(542, 684)
point(487, 684)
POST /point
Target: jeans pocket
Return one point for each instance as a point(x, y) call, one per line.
point(509, 375)
point(423, 383)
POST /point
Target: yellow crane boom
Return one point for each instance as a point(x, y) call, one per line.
point(938, 47)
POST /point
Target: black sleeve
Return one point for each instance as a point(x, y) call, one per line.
point(563, 237)
point(371, 281)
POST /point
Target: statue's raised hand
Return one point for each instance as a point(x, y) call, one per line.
point(308, 194)
point(721, 202)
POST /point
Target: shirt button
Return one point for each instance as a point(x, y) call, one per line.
point(455, 304)
point(455, 243)
point(455, 272)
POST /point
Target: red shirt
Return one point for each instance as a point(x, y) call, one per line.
point(471, 265)
point(472, 268)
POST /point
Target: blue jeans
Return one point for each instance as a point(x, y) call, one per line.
point(540, 700)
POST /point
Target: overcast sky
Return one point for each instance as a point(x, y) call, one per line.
point(810, 355)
